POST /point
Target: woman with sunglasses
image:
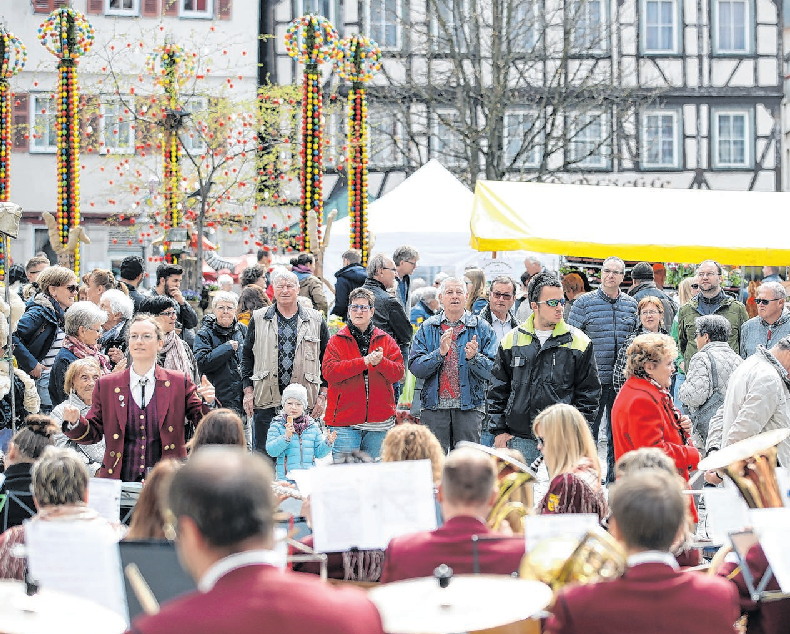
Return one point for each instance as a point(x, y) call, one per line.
point(572, 462)
point(40, 331)
point(651, 319)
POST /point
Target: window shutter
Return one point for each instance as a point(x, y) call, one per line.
point(42, 6)
point(20, 122)
point(90, 134)
point(171, 7)
point(96, 7)
point(223, 9)
point(150, 8)
point(59, 4)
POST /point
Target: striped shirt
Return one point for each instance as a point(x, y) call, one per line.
point(57, 344)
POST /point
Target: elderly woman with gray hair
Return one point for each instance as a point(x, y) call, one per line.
point(218, 346)
point(708, 373)
point(83, 328)
point(120, 309)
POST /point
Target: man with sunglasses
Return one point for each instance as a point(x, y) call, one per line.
point(542, 362)
point(771, 323)
point(498, 313)
point(405, 259)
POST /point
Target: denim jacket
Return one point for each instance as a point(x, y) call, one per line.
point(425, 361)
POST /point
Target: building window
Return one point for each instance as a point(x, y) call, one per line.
point(588, 26)
point(522, 139)
point(661, 139)
point(193, 133)
point(122, 7)
point(588, 141)
point(447, 142)
point(731, 26)
point(660, 31)
point(117, 127)
point(732, 139)
point(385, 138)
point(523, 24)
point(316, 7)
point(43, 135)
point(196, 9)
point(447, 25)
point(383, 18)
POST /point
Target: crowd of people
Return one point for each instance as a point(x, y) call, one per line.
point(122, 382)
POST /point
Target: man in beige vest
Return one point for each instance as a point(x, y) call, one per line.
point(285, 344)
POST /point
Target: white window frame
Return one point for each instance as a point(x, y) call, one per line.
point(602, 44)
point(531, 37)
point(196, 14)
point(674, 49)
point(677, 140)
point(133, 12)
point(526, 161)
point(457, 160)
point(577, 127)
point(300, 8)
point(398, 17)
point(748, 145)
point(383, 149)
point(106, 131)
point(35, 146)
point(747, 29)
point(198, 106)
point(440, 45)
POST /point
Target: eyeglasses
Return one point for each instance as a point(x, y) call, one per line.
point(701, 274)
point(611, 272)
point(72, 288)
point(553, 303)
point(499, 295)
point(648, 313)
point(412, 262)
point(360, 307)
point(386, 268)
point(695, 286)
point(765, 302)
point(168, 313)
point(146, 337)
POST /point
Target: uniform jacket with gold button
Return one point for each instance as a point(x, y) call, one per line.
point(177, 400)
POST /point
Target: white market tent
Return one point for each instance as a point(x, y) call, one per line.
point(635, 223)
point(430, 211)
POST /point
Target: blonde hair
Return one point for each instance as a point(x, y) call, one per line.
point(650, 301)
point(76, 367)
point(684, 290)
point(478, 279)
point(55, 276)
point(653, 347)
point(566, 439)
point(413, 442)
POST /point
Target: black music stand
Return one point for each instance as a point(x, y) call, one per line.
point(742, 542)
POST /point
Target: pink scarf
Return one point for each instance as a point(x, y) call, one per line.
point(82, 350)
point(176, 357)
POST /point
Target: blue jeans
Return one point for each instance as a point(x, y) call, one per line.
point(42, 387)
point(607, 400)
point(679, 379)
point(349, 440)
point(486, 438)
point(527, 447)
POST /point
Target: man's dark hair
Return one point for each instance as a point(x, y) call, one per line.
point(132, 267)
point(649, 508)
point(157, 304)
point(227, 492)
point(525, 277)
point(251, 274)
point(17, 274)
point(504, 279)
point(264, 253)
point(538, 282)
point(165, 270)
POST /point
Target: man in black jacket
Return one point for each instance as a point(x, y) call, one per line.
point(132, 270)
point(351, 276)
point(168, 282)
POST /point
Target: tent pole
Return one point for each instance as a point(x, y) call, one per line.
point(493, 255)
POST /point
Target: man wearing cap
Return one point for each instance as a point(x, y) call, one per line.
point(644, 285)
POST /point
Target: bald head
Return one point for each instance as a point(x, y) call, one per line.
point(468, 477)
point(227, 492)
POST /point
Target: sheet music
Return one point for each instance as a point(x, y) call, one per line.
point(727, 513)
point(773, 526)
point(78, 557)
point(303, 479)
point(104, 497)
point(366, 505)
point(540, 527)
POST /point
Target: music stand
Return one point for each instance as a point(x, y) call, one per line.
point(742, 542)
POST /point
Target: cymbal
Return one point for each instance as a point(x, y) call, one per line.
point(420, 605)
point(48, 611)
point(498, 453)
point(743, 449)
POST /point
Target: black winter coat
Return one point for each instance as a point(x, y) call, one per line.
point(35, 333)
point(390, 316)
point(18, 482)
point(221, 364)
point(346, 280)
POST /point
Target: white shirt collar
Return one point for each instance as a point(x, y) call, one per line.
point(653, 557)
point(232, 562)
point(134, 378)
point(505, 321)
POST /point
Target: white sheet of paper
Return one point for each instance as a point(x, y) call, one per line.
point(540, 527)
point(104, 497)
point(366, 505)
point(303, 479)
point(77, 557)
point(773, 526)
point(727, 513)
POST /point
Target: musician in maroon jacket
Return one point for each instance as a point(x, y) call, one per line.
point(653, 596)
point(466, 494)
point(140, 412)
point(223, 506)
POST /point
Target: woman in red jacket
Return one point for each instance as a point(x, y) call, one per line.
point(644, 415)
point(361, 363)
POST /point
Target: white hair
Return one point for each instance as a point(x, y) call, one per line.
point(85, 314)
point(447, 280)
point(224, 279)
point(281, 273)
point(119, 302)
point(777, 289)
point(225, 296)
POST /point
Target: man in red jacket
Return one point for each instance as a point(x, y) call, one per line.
point(223, 505)
point(466, 494)
point(653, 596)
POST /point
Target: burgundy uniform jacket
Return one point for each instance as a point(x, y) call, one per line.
point(417, 555)
point(260, 598)
point(650, 598)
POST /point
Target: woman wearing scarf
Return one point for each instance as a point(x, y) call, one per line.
point(361, 363)
point(83, 329)
point(175, 354)
point(40, 331)
point(309, 285)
